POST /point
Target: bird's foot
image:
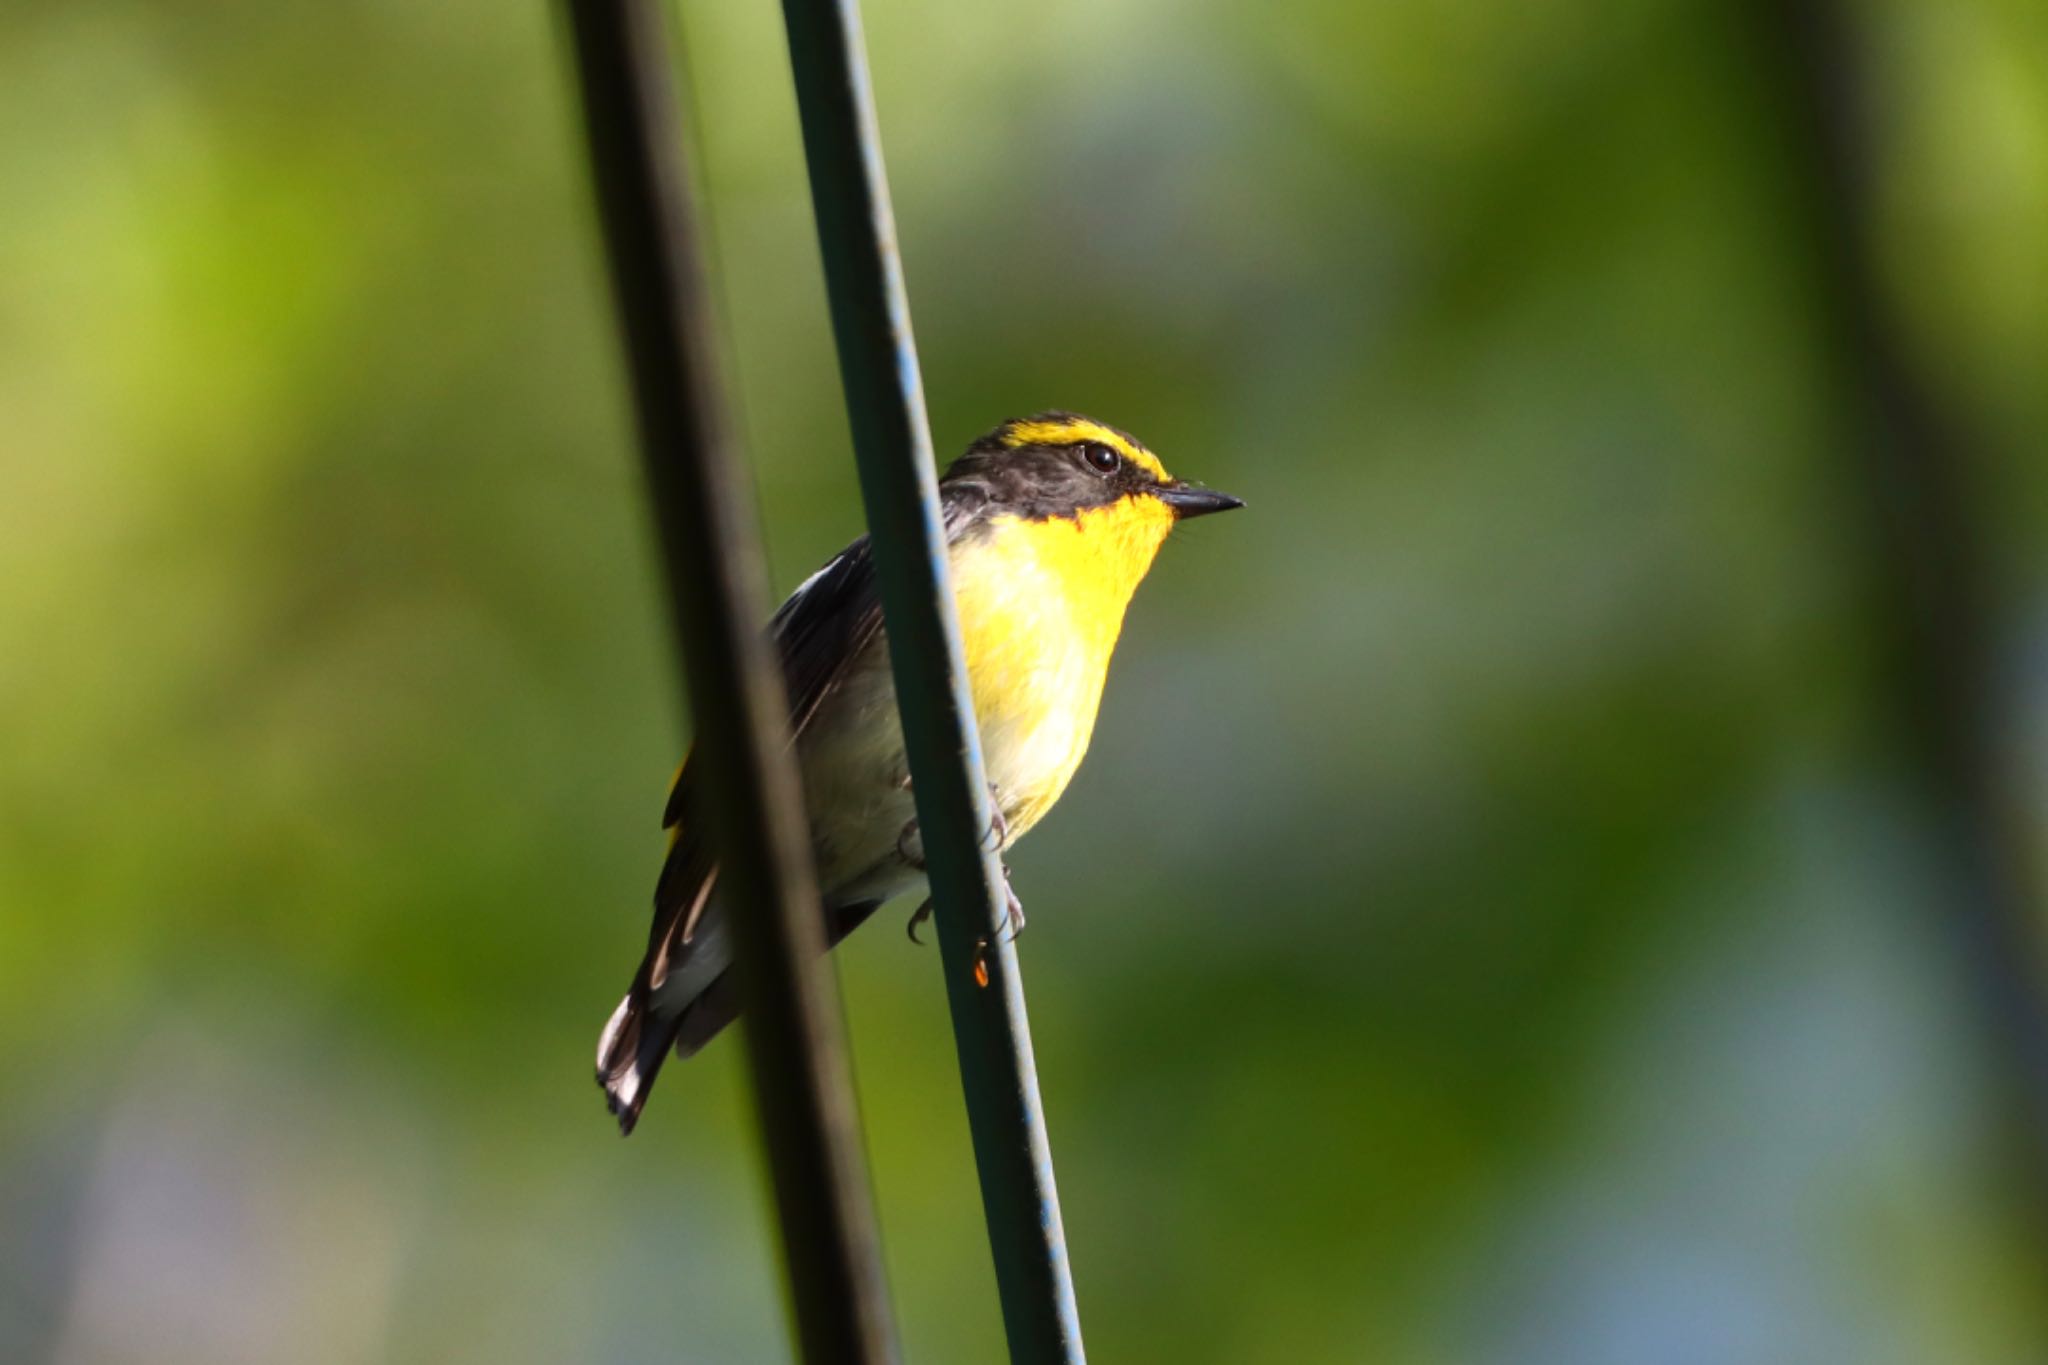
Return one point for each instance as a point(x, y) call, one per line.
point(910, 843)
point(998, 825)
point(905, 840)
point(1013, 911)
point(1013, 925)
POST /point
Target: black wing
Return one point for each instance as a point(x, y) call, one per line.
point(823, 626)
point(826, 623)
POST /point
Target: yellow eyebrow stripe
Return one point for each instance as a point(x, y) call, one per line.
point(1068, 433)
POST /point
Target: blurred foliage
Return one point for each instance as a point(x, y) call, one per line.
point(1486, 930)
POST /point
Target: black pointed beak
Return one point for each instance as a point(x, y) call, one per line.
point(1196, 502)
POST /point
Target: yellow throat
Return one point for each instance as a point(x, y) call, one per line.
point(1041, 603)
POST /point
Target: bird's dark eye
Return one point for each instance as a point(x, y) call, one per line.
point(1100, 457)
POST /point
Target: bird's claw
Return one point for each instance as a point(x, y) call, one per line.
point(1013, 925)
point(998, 824)
point(998, 829)
point(903, 853)
point(1013, 911)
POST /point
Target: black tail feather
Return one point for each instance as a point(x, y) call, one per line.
point(641, 1035)
point(635, 1044)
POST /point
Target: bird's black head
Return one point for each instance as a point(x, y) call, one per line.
point(1060, 464)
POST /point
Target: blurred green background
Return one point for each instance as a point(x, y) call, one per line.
point(1488, 928)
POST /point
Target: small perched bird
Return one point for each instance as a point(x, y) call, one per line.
point(1051, 522)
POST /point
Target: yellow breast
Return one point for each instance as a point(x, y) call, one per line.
point(1041, 604)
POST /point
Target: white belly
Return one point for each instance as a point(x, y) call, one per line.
point(857, 787)
point(857, 782)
